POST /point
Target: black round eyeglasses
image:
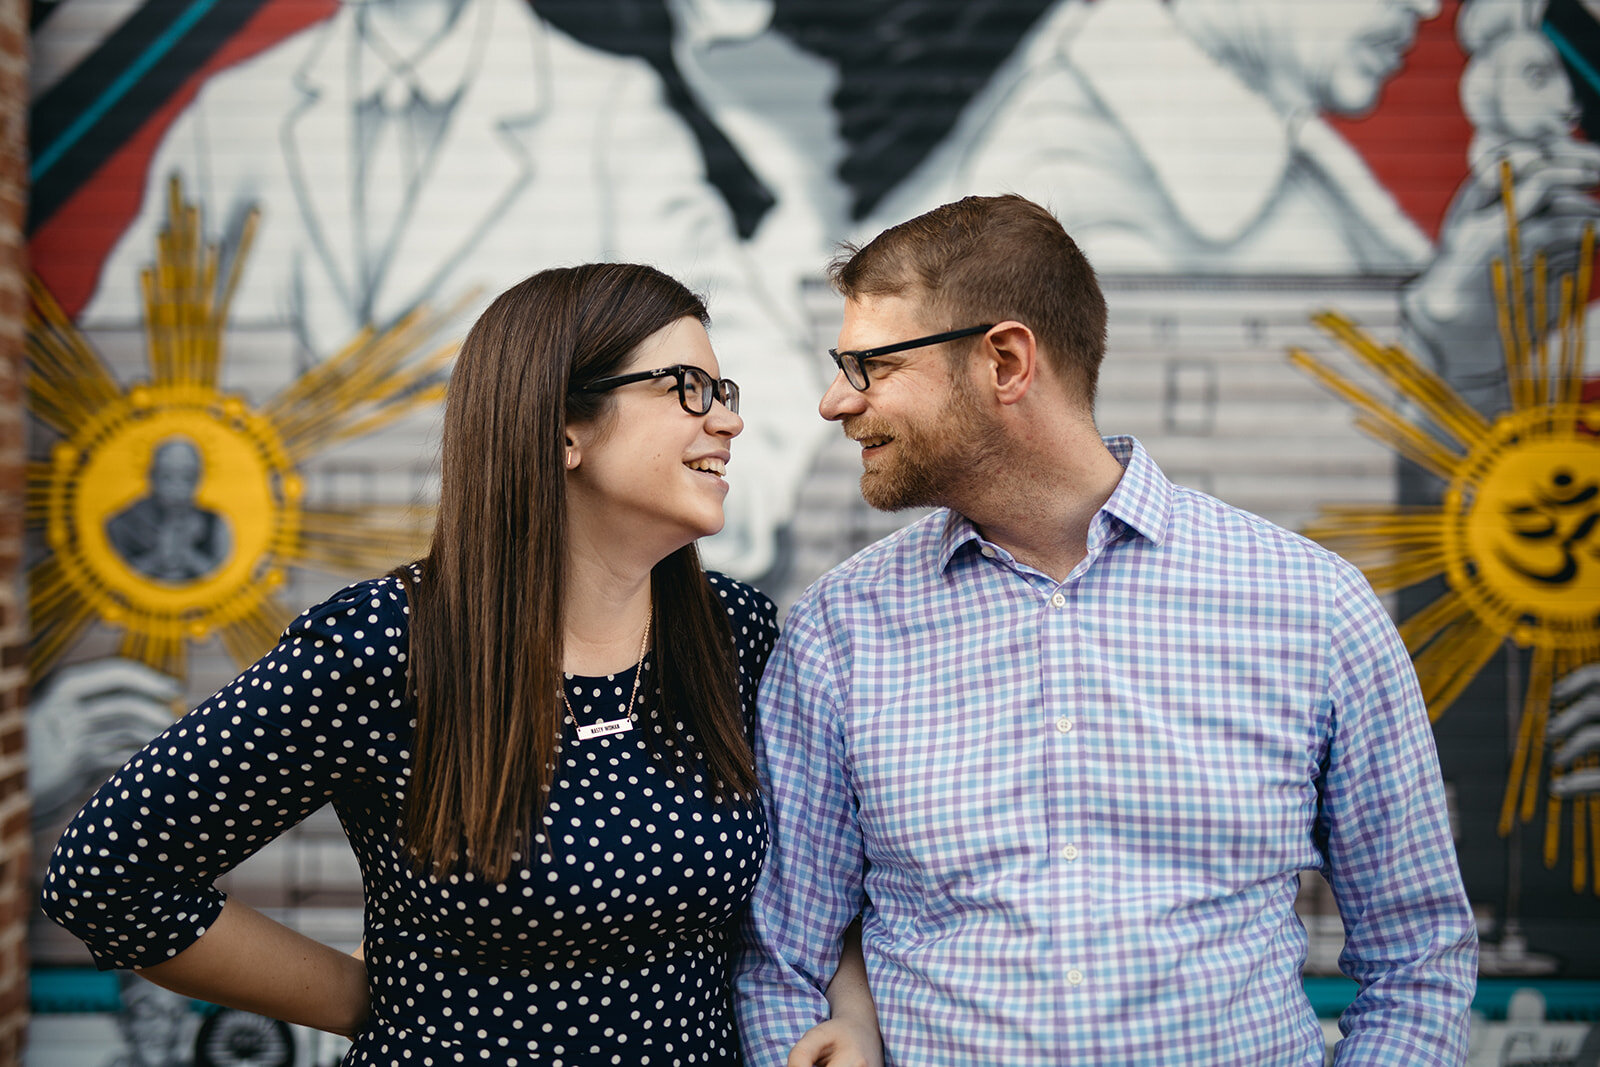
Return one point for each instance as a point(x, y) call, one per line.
point(853, 362)
point(696, 388)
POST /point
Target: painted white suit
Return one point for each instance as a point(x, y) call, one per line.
point(1158, 158)
point(553, 154)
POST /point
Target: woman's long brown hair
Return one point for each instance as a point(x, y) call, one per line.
point(486, 636)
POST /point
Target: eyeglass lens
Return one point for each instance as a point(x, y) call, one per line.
point(697, 389)
point(854, 371)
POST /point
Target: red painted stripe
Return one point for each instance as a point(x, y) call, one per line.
point(1416, 139)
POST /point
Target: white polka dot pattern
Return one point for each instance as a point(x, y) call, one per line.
point(609, 944)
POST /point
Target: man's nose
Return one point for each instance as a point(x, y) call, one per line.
point(841, 399)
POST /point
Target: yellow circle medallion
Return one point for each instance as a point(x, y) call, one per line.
point(1523, 537)
point(171, 509)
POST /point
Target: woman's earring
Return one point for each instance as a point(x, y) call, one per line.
point(572, 459)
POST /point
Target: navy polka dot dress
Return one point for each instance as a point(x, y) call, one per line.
point(608, 944)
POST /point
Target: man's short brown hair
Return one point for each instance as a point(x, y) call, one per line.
point(989, 259)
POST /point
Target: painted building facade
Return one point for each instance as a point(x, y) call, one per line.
point(257, 227)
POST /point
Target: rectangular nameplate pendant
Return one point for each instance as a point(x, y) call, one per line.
point(605, 729)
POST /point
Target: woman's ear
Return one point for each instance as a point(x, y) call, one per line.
point(574, 453)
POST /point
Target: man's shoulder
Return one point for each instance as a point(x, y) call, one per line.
point(1204, 525)
point(269, 75)
point(906, 556)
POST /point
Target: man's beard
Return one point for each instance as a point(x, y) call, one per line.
point(931, 463)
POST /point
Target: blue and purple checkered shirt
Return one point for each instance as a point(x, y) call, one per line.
point(1073, 814)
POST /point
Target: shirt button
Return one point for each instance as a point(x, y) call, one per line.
point(1063, 725)
point(1074, 977)
point(987, 551)
point(1058, 601)
point(1069, 853)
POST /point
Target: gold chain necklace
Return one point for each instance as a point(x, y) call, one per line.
point(608, 727)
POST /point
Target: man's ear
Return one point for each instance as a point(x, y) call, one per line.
point(1013, 360)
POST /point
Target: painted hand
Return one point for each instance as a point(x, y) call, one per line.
point(85, 722)
point(1575, 733)
point(1450, 306)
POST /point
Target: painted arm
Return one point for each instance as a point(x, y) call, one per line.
point(1574, 733)
point(1450, 310)
point(85, 723)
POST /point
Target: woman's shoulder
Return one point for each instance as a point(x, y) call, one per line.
point(753, 618)
point(745, 604)
point(378, 604)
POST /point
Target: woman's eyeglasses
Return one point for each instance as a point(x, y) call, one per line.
point(696, 388)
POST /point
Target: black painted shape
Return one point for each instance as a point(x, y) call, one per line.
point(1581, 32)
point(907, 68)
point(643, 29)
point(53, 114)
point(40, 10)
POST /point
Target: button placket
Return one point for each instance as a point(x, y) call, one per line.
point(1058, 600)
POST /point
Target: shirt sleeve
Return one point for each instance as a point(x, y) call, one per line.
point(132, 875)
point(810, 886)
point(1410, 939)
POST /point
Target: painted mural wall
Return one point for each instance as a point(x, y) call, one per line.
point(1343, 244)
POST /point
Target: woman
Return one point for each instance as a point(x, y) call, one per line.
point(535, 737)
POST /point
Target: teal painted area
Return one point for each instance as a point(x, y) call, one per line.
point(1579, 64)
point(1330, 996)
point(80, 991)
point(73, 990)
point(1564, 1001)
point(84, 990)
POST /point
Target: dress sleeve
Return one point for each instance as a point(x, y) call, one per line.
point(1410, 940)
point(132, 875)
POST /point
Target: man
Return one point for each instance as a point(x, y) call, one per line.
point(1066, 745)
point(166, 535)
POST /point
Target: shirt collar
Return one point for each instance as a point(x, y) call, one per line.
point(1141, 502)
point(435, 72)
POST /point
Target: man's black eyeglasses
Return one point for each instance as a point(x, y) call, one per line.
point(696, 388)
point(853, 363)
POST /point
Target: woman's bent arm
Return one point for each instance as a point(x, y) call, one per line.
point(246, 960)
point(851, 1037)
point(848, 995)
point(317, 720)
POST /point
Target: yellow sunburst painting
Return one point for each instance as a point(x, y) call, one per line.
point(172, 508)
point(1515, 536)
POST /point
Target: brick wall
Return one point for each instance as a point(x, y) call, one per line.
point(14, 891)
